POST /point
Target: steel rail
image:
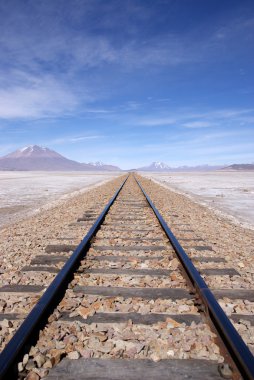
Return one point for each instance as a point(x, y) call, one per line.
point(37, 318)
point(235, 345)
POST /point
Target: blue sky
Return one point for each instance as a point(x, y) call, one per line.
point(129, 82)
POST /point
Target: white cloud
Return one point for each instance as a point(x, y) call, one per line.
point(190, 119)
point(83, 138)
point(198, 124)
point(36, 98)
point(72, 139)
point(229, 113)
point(152, 122)
point(97, 111)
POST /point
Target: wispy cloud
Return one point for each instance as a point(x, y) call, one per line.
point(98, 111)
point(155, 121)
point(229, 113)
point(36, 97)
point(73, 139)
point(58, 37)
point(83, 138)
point(194, 119)
point(58, 47)
point(198, 124)
point(133, 72)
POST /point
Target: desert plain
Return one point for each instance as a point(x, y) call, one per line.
point(25, 193)
point(228, 192)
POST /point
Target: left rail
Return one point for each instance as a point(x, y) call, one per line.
point(37, 318)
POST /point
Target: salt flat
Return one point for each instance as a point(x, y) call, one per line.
point(229, 192)
point(25, 192)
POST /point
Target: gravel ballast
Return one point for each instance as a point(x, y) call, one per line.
point(122, 245)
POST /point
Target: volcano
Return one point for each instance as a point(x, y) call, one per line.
point(36, 157)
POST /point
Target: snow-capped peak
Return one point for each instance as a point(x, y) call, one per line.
point(98, 163)
point(33, 151)
point(24, 149)
point(156, 166)
point(160, 165)
point(31, 148)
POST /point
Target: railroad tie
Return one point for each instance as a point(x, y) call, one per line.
point(128, 301)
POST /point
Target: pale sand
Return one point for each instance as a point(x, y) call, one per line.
point(26, 193)
point(230, 193)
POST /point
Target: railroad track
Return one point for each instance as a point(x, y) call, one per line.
point(128, 303)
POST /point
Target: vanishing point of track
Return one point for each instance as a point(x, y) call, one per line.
point(128, 303)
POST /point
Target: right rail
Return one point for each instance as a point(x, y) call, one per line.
point(238, 350)
point(133, 276)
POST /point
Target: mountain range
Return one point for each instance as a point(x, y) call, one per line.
point(36, 157)
point(239, 167)
point(162, 167)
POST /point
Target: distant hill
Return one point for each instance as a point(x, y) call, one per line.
point(35, 157)
point(156, 167)
point(100, 165)
point(162, 167)
point(239, 167)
